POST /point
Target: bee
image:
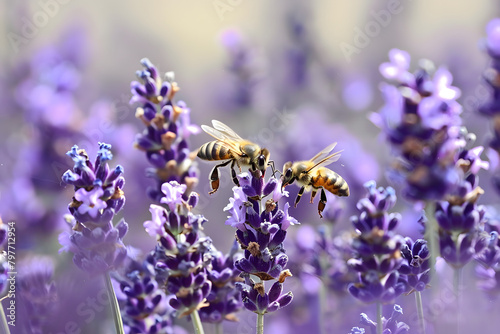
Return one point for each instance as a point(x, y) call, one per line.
point(231, 147)
point(312, 175)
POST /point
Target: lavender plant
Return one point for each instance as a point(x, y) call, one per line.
point(97, 245)
point(260, 231)
point(168, 128)
point(377, 248)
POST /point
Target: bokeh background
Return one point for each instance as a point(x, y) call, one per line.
point(293, 76)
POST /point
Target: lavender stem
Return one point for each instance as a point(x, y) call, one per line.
point(198, 327)
point(260, 323)
point(380, 326)
point(4, 327)
point(431, 235)
point(115, 308)
point(218, 328)
point(457, 282)
point(420, 311)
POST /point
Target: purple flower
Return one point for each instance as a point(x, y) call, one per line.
point(224, 299)
point(146, 308)
point(493, 37)
point(182, 255)
point(397, 69)
point(377, 248)
point(416, 265)
point(91, 202)
point(96, 244)
point(261, 230)
point(168, 127)
point(173, 194)
point(421, 120)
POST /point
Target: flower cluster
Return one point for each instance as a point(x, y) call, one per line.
point(168, 127)
point(146, 308)
point(377, 247)
point(182, 255)
point(492, 77)
point(96, 244)
point(421, 121)
point(261, 231)
point(389, 326)
point(416, 264)
point(224, 299)
point(488, 270)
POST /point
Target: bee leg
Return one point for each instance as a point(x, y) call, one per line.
point(233, 174)
point(313, 194)
point(299, 195)
point(322, 203)
point(273, 168)
point(214, 176)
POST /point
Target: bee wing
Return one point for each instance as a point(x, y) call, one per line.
point(229, 142)
point(323, 153)
point(226, 130)
point(326, 161)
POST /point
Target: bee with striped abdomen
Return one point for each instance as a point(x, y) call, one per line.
point(312, 175)
point(231, 147)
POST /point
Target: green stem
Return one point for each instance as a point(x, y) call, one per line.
point(115, 308)
point(420, 311)
point(431, 235)
point(218, 328)
point(198, 327)
point(380, 326)
point(457, 282)
point(260, 323)
point(4, 327)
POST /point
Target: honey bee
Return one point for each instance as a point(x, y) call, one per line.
point(231, 147)
point(312, 175)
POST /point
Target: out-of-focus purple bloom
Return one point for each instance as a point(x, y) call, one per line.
point(37, 292)
point(244, 67)
point(459, 218)
point(397, 69)
point(168, 127)
point(390, 326)
point(421, 121)
point(377, 247)
point(493, 37)
point(488, 269)
point(96, 244)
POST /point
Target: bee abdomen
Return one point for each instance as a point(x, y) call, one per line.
point(332, 182)
point(213, 151)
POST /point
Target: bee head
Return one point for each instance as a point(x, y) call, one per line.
point(263, 160)
point(287, 177)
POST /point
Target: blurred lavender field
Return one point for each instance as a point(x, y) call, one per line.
point(293, 77)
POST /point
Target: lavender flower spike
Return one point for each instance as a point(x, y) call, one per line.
point(168, 127)
point(96, 244)
point(377, 248)
point(261, 230)
point(182, 256)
